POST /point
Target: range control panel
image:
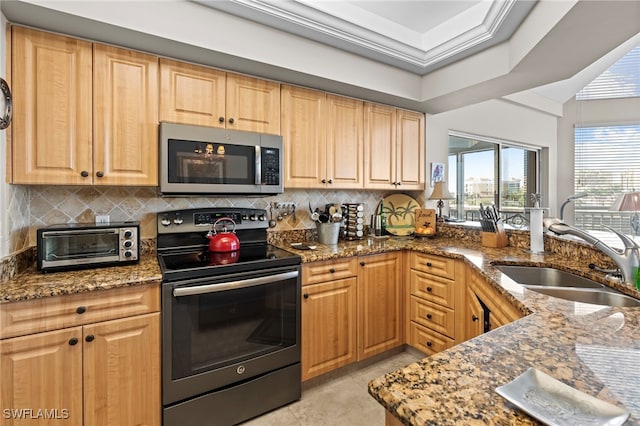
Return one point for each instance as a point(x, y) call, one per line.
point(194, 220)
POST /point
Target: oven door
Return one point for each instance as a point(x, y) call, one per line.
point(227, 329)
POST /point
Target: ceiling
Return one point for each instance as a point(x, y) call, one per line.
point(417, 36)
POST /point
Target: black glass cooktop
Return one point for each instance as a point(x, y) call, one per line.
point(190, 263)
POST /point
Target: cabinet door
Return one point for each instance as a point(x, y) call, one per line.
point(379, 303)
point(253, 104)
point(42, 371)
point(379, 146)
point(122, 371)
point(474, 318)
point(345, 139)
point(125, 117)
point(410, 150)
point(328, 326)
point(51, 130)
point(304, 134)
point(190, 94)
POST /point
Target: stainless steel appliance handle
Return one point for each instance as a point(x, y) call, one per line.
point(258, 176)
point(233, 285)
point(80, 232)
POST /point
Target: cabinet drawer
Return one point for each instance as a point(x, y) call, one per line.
point(32, 316)
point(433, 316)
point(432, 288)
point(427, 340)
point(317, 272)
point(436, 265)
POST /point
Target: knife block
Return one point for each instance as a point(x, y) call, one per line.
point(495, 239)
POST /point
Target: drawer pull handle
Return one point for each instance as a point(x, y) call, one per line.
point(428, 316)
point(429, 289)
point(474, 318)
point(332, 270)
point(362, 263)
point(81, 310)
point(429, 264)
point(428, 344)
point(73, 341)
point(90, 338)
point(306, 296)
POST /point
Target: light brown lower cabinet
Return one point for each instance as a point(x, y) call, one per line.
point(351, 310)
point(102, 373)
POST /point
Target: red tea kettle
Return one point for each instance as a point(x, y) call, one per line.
point(224, 241)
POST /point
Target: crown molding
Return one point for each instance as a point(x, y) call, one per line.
point(480, 27)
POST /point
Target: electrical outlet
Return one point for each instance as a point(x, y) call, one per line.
point(102, 218)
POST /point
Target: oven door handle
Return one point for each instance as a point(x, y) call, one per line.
point(233, 285)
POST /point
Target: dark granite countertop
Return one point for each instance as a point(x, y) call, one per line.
point(32, 284)
point(592, 348)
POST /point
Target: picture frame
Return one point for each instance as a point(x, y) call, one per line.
point(437, 173)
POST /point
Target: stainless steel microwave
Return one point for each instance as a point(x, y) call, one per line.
point(205, 160)
point(82, 245)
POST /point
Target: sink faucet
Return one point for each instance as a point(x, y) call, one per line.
point(627, 260)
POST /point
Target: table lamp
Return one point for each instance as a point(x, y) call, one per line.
point(440, 192)
point(629, 202)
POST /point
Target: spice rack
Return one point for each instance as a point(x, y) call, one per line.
point(353, 214)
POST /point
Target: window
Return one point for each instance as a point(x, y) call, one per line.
point(607, 156)
point(488, 171)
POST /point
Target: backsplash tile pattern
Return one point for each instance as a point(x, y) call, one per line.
point(17, 214)
point(49, 205)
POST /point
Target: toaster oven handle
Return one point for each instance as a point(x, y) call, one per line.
point(48, 234)
point(258, 176)
point(233, 285)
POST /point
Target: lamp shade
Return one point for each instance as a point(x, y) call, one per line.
point(627, 202)
point(440, 192)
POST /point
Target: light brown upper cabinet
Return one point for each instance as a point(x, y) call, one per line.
point(52, 127)
point(125, 117)
point(192, 94)
point(83, 114)
point(323, 137)
point(394, 148)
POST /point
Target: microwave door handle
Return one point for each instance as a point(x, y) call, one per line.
point(258, 176)
point(233, 285)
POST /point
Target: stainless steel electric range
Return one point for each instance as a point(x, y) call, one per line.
point(230, 321)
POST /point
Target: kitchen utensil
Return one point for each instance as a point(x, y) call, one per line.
point(336, 217)
point(315, 216)
point(272, 223)
point(224, 241)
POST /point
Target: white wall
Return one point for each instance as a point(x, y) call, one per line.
point(498, 119)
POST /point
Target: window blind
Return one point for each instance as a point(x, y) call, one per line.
point(607, 162)
point(621, 80)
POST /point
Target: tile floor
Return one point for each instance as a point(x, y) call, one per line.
point(339, 401)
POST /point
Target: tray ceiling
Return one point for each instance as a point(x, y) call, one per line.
point(418, 36)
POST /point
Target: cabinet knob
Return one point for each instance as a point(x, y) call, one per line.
point(429, 289)
point(330, 181)
point(306, 296)
point(428, 344)
point(332, 270)
point(428, 316)
point(81, 309)
point(474, 318)
point(90, 338)
point(429, 264)
point(362, 263)
point(221, 119)
point(399, 183)
point(73, 341)
point(100, 173)
point(84, 173)
point(323, 181)
point(231, 120)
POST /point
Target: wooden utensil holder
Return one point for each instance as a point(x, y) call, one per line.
point(495, 239)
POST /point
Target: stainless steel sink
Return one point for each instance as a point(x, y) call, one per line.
point(564, 285)
point(592, 296)
point(548, 277)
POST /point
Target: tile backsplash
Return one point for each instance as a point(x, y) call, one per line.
point(49, 205)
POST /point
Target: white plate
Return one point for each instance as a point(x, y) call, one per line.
point(555, 403)
point(400, 211)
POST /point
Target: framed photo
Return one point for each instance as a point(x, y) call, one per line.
point(437, 173)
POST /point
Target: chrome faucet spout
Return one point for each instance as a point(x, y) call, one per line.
point(627, 260)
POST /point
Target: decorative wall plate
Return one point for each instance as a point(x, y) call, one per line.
point(5, 119)
point(400, 212)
